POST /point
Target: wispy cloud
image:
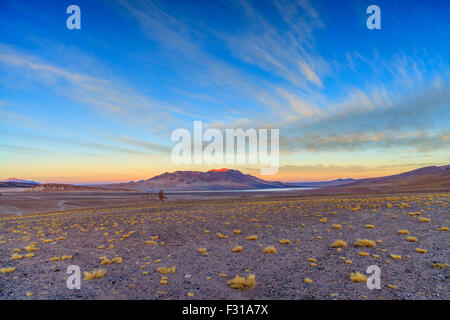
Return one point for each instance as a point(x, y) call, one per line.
point(106, 96)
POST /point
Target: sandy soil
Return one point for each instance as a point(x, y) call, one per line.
point(180, 229)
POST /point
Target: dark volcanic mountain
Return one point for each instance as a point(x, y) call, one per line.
point(221, 179)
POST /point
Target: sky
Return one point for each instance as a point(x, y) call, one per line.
point(99, 104)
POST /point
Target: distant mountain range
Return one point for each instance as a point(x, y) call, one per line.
point(17, 183)
point(427, 178)
point(19, 180)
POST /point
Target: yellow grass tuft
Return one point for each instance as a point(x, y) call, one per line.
point(63, 258)
point(365, 243)
point(202, 250)
point(358, 277)
point(421, 250)
point(237, 231)
point(392, 286)
point(30, 255)
point(396, 257)
point(165, 270)
point(221, 236)
point(308, 280)
point(337, 226)
point(269, 249)
point(323, 220)
point(438, 265)
point(95, 274)
point(8, 270)
point(285, 241)
point(403, 231)
point(117, 260)
point(237, 249)
point(242, 283)
point(443, 229)
point(251, 238)
point(363, 254)
point(369, 226)
point(105, 260)
point(338, 244)
point(421, 219)
point(16, 256)
point(190, 295)
point(412, 239)
point(31, 248)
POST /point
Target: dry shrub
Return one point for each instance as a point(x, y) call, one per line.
point(358, 277)
point(285, 241)
point(337, 226)
point(403, 231)
point(421, 250)
point(269, 249)
point(237, 231)
point(105, 261)
point(237, 249)
point(8, 270)
point(242, 283)
point(95, 274)
point(338, 244)
point(438, 265)
point(412, 239)
point(117, 260)
point(165, 270)
point(369, 226)
point(365, 243)
point(251, 238)
point(443, 229)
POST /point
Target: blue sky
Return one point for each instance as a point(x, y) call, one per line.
point(99, 104)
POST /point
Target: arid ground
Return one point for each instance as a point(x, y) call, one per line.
point(130, 238)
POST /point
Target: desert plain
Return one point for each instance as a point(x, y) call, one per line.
point(191, 248)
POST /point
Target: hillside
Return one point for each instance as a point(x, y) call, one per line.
point(426, 178)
